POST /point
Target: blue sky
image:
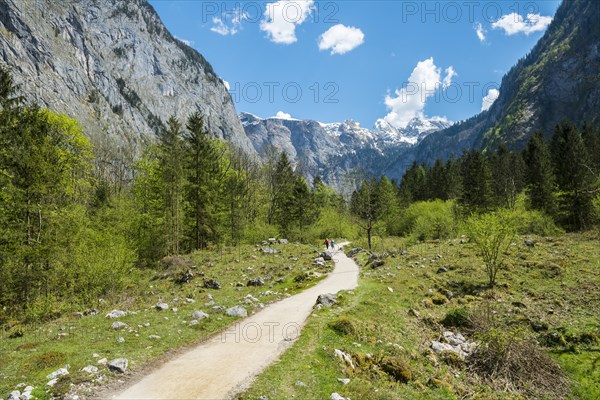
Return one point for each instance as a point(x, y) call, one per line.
point(361, 60)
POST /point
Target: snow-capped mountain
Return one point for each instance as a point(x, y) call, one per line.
point(333, 149)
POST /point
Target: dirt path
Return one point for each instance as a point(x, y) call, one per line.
point(227, 363)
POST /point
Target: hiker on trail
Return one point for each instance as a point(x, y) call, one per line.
point(327, 243)
point(332, 244)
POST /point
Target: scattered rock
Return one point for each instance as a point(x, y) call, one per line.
point(212, 284)
point(377, 263)
point(327, 299)
point(268, 250)
point(344, 357)
point(344, 381)
point(189, 300)
point(237, 311)
point(327, 255)
point(194, 322)
point(116, 314)
point(320, 261)
point(256, 282)
point(118, 325)
point(161, 306)
point(14, 395)
point(282, 241)
point(300, 383)
point(90, 312)
point(218, 308)
point(118, 365)
point(121, 340)
point(414, 313)
point(354, 251)
point(154, 337)
point(518, 304)
point(52, 382)
point(335, 396)
point(199, 315)
point(390, 289)
point(293, 258)
point(58, 372)
point(442, 270)
point(239, 284)
point(529, 243)
point(90, 369)
point(103, 361)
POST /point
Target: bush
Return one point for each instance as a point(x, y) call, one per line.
point(344, 325)
point(397, 368)
point(512, 357)
point(429, 220)
point(457, 317)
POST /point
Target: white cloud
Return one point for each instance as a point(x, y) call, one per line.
point(229, 23)
point(450, 73)
point(282, 17)
point(184, 41)
point(283, 115)
point(514, 23)
point(480, 31)
point(489, 99)
point(341, 39)
point(409, 102)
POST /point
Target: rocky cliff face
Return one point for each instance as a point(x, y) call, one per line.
point(112, 65)
point(331, 150)
point(559, 79)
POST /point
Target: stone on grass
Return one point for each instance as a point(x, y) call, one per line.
point(90, 369)
point(199, 315)
point(52, 382)
point(237, 311)
point(256, 282)
point(344, 357)
point(161, 306)
point(327, 255)
point(344, 381)
point(335, 396)
point(57, 373)
point(300, 383)
point(283, 241)
point(154, 337)
point(116, 314)
point(442, 270)
point(121, 340)
point(118, 365)
point(327, 299)
point(14, 395)
point(194, 322)
point(212, 284)
point(118, 325)
point(529, 243)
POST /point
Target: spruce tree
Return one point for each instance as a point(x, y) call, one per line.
point(540, 175)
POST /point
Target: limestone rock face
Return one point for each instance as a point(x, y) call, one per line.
point(113, 66)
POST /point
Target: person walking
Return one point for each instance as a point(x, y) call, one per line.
point(332, 244)
point(327, 243)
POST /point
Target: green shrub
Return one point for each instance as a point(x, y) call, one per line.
point(397, 368)
point(457, 317)
point(344, 326)
point(428, 220)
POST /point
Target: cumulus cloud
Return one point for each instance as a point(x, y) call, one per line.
point(230, 22)
point(409, 102)
point(480, 31)
point(282, 17)
point(450, 74)
point(283, 115)
point(514, 23)
point(489, 99)
point(341, 39)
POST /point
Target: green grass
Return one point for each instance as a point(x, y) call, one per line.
point(554, 285)
point(74, 339)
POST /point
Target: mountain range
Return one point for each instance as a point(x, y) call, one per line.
point(114, 66)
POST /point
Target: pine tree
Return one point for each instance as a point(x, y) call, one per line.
point(476, 181)
point(540, 175)
point(171, 167)
point(574, 176)
point(507, 176)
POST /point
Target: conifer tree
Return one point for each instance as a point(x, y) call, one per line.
point(540, 175)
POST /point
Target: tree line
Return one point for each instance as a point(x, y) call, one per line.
point(559, 177)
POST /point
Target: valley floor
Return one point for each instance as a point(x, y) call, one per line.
point(376, 343)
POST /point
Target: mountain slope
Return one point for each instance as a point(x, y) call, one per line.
point(113, 66)
point(558, 79)
point(333, 149)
